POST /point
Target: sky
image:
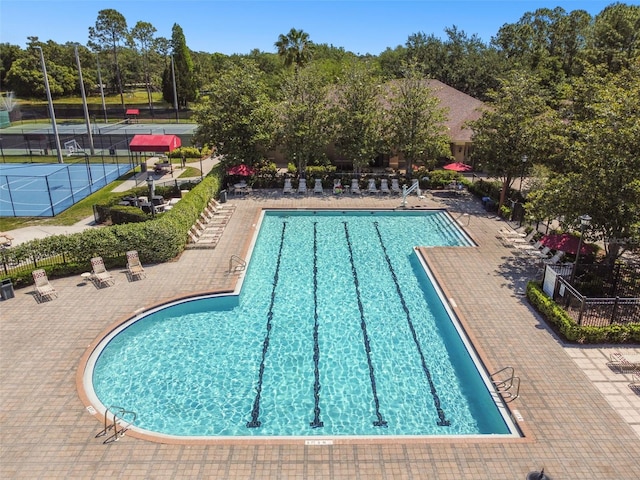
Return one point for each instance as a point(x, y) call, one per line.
point(228, 27)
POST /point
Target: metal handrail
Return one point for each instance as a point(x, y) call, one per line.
point(241, 264)
point(504, 386)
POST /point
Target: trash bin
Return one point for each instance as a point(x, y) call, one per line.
point(143, 166)
point(223, 196)
point(6, 289)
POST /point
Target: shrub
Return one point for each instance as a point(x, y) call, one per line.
point(564, 325)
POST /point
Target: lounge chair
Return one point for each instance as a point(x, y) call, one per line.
point(507, 232)
point(621, 363)
point(555, 259)
point(395, 186)
point(384, 186)
point(317, 187)
point(302, 186)
point(287, 186)
point(635, 383)
point(337, 186)
point(371, 188)
point(134, 267)
point(544, 253)
point(526, 246)
point(41, 286)
point(355, 186)
point(100, 274)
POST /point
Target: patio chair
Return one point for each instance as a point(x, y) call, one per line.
point(41, 286)
point(635, 382)
point(355, 186)
point(621, 363)
point(317, 188)
point(287, 186)
point(134, 267)
point(395, 186)
point(384, 186)
point(337, 186)
point(302, 186)
point(371, 187)
point(555, 259)
point(100, 274)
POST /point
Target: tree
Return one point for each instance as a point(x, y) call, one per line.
point(603, 157)
point(141, 38)
point(615, 41)
point(358, 114)
point(303, 119)
point(110, 29)
point(186, 85)
point(517, 125)
point(236, 118)
point(416, 122)
point(295, 48)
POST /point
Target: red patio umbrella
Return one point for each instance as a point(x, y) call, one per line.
point(565, 242)
point(241, 170)
point(458, 167)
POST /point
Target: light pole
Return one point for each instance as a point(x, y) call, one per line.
point(51, 111)
point(152, 191)
point(585, 221)
point(84, 102)
point(524, 163)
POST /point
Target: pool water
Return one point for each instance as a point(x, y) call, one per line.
point(338, 330)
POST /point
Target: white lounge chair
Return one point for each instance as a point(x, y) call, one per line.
point(287, 186)
point(317, 187)
point(355, 186)
point(384, 186)
point(100, 273)
point(42, 287)
point(395, 186)
point(555, 259)
point(134, 267)
point(371, 188)
point(621, 363)
point(302, 186)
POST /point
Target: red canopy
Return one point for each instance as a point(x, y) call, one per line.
point(565, 242)
point(241, 170)
point(154, 143)
point(458, 167)
point(133, 111)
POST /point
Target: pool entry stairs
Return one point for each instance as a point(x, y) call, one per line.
point(506, 383)
point(118, 420)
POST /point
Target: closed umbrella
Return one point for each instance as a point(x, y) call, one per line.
point(458, 167)
point(565, 242)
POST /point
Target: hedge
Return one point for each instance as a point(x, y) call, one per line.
point(564, 325)
point(156, 241)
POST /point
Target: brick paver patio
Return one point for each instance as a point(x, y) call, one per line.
point(581, 418)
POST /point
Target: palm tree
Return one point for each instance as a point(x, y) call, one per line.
point(295, 47)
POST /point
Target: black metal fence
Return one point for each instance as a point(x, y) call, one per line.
point(612, 305)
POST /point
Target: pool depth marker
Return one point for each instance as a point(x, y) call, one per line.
point(443, 422)
point(316, 349)
point(363, 325)
point(255, 411)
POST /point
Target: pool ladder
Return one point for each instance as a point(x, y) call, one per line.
point(506, 383)
point(116, 415)
point(236, 264)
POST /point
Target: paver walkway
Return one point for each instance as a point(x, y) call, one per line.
point(581, 417)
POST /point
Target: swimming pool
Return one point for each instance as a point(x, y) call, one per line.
point(338, 331)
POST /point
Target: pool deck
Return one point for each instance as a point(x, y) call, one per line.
point(581, 418)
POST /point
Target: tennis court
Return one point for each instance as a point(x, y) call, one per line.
point(47, 189)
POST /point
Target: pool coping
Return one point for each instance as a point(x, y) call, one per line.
point(526, 436)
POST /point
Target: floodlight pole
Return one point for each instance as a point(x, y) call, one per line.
point(104, 105)
point(585, 220)
point(84, 103)
point(51, 111)
point(175, 92)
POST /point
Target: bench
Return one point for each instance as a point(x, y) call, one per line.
point(163, 168)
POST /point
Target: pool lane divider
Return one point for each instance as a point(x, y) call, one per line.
point(365, 336)
point(442, 422)
point(316, 423)
point(255, 411)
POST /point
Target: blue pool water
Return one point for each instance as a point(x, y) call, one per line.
point(338, 331)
